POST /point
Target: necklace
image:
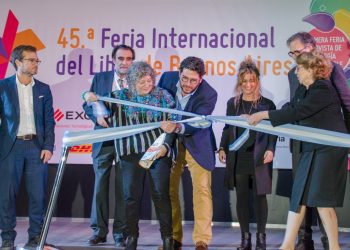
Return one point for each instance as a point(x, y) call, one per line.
point(251, 107)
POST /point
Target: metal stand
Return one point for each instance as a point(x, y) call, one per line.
point(54, 195)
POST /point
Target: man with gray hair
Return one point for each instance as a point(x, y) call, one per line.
point(104, 154)
point(299, 43)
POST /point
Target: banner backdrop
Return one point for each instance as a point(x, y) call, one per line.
point(75, 40)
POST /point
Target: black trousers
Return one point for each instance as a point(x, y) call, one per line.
point(103, 164)
point(244, 184)
point(133, 181)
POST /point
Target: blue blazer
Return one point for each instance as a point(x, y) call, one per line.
point(10, 115)
point(102, 85)
point(199, 142)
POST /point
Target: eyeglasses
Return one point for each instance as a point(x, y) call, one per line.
point(32, 60)
point(185, 79)
point(296, 52)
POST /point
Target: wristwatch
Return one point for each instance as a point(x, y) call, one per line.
point(178, 128)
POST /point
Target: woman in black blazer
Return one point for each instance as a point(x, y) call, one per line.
point(320, 178)
point(250, 167)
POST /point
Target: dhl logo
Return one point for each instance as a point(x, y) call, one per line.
point(81, 149)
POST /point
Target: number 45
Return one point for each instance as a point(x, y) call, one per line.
point(74, 38)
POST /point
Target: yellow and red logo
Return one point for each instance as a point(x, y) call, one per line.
point(81, 149)
point(11, 39)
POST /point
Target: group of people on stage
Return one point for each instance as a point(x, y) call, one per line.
point(320, 98)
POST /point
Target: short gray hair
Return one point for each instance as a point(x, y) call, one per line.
point(137, 71)
point(303, 37)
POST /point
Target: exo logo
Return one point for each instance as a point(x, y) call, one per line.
point(58, 115)
point(70, 115)
point(11, 39)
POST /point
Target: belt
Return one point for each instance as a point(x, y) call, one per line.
point(26, 137)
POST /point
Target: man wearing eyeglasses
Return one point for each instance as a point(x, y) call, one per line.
point(299, 43)
point(196, 148)
point(104, 153)
point(27, 142)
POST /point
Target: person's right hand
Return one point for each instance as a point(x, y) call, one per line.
point(222, 156)
point(162, 152)
point(102, 122)
point(90, 97)
point(168, 126)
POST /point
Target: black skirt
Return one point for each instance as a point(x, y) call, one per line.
point(320, 178)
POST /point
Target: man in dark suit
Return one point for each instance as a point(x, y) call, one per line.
point(299, 43)
point(104, 154)
point(27, 141)
point(196, 147)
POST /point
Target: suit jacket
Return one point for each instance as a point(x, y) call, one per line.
point(102, 85)
point(263, 142)
point(10, 115)
point(199, 142)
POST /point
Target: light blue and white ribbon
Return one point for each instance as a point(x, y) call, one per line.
point(301, 133)
point(296, 132)
point(72, 138)
point(145, 106)
point(237, 144)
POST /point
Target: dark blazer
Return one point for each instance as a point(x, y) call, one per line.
point(338, 81)
point(199, 142)
point(320, 176)
point(102, 85)
point(263, 142)
point(10, 115)
point(317, 107)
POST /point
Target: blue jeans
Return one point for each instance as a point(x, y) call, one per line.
point(23, 159)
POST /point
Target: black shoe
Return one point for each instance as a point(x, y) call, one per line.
point(177, 245)
point(260, 241)
point(168, 243)
point(8, 245)
point(119, 242)
point(94, 240)
point(34, 242)
point(246, 242)
point(304, 244)
point(131, 243)
point(325, 243)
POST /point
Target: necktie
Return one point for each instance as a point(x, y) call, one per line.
point(120, 83)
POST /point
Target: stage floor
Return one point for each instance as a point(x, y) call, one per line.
point(69, 234)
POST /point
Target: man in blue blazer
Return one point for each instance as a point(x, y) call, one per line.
point(27, 142)
point(104, 154)
point(196, 147)
point(299, 43)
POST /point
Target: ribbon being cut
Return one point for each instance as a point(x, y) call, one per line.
point(296, 132)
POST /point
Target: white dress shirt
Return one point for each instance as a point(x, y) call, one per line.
point(26, 109)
